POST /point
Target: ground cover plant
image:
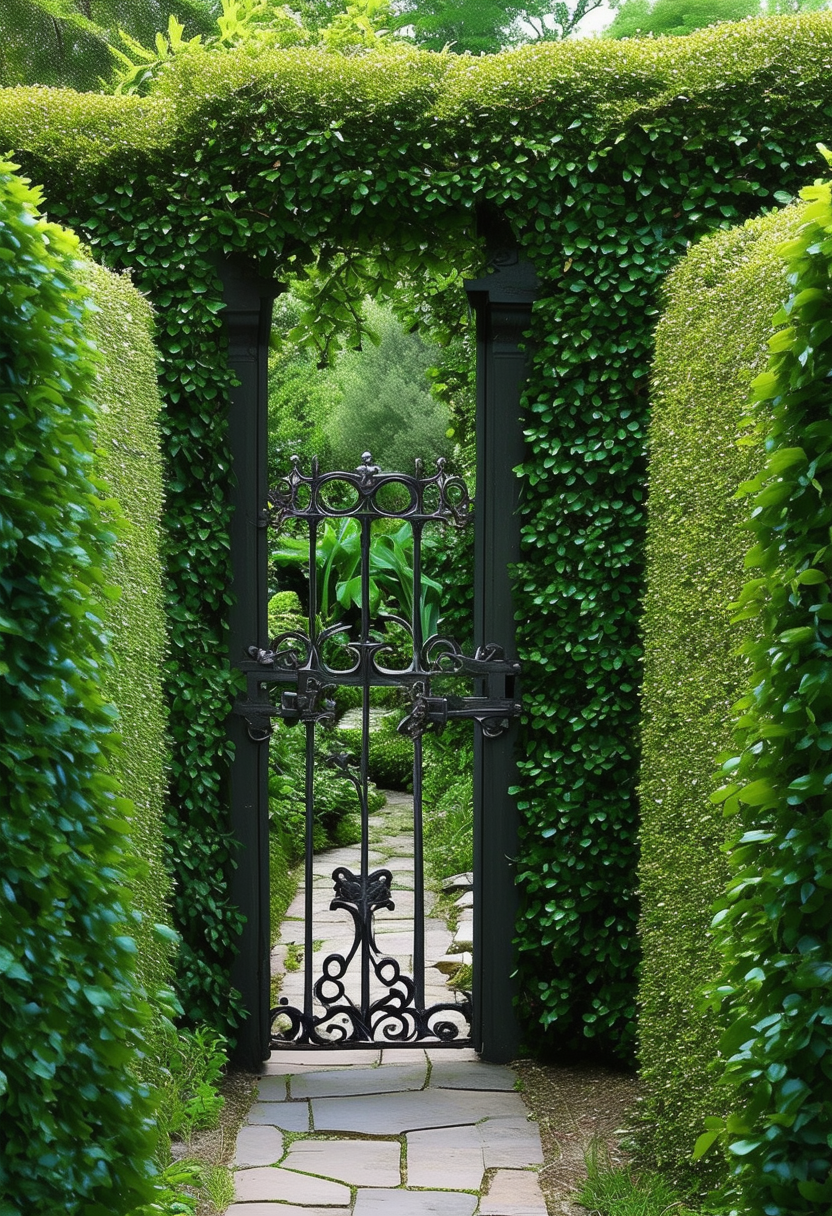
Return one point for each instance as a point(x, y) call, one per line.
point(607, 157)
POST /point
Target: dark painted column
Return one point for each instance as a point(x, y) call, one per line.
point(503, 303)
point(247, 318)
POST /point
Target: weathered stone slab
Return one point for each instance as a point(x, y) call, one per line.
point(458, 882)
point(510, 1143)
point(403, 1055)
point(374, 1163)
point(437, 1158)
point(276, 1184)
point(406, 1112)
point(315, 1059)
point(289, 1116)
point(449, 964)
point(468, 1074)
point(272, 1089)
point(283, 1209)
point(466, 900)
point(514, 1193)
point(261, 1145)
point(413, 1203)
point(455, 1053)
point(393, 1078)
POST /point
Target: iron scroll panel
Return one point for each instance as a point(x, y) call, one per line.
point(391, 1008)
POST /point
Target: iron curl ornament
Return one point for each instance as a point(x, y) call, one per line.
point(367, 491)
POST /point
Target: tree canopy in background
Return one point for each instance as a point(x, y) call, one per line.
point(377, 398)
point(489, 26)
point(67, 42)
point(638, 18)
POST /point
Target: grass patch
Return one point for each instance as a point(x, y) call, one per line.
point(283, 883)
point(622, 1192)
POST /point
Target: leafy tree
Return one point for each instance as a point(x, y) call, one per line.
point(67, 42)
point(638, 18)
point(386, 405)
point(301, 396)
point(488, 26)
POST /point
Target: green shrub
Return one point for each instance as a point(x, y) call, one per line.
point(772, 925)
point(390, 760)
point(449, 802)
point(78, 1133)
point(712, 337)
point(384, 402)
point(335, 798)
point(192, 1064)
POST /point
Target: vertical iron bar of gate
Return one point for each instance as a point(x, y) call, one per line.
point(418, 844)
point(503, 305)
point(367, 928)
point(308, 869)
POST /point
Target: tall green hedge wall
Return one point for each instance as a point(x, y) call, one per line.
point(710, 342)
point(772, 924)
point(128, 459)
point(78, 1134)
point(607, 157)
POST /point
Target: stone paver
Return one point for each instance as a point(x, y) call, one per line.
point(282, 1209)
point(288, 1187)
point(374, 1163)
point(411, 1111)
point(272, 1089)
point(448, 1074)
point(361, 1081)
point(414, 1203)
point(290, 1116)
point(510, 1143)
point(513, 1193)
point(261, 1145)
point(435, 1159)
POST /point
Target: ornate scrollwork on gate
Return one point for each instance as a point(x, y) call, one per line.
point(393, 1017)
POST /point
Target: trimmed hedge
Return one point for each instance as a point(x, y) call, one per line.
point(608, 158)
point(78, 1134)
point(129, 461)
point(712, 337)
point(773, 924)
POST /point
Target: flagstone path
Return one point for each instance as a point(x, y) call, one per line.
point(430, 1131)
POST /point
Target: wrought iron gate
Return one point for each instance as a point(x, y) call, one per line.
point(361, 996)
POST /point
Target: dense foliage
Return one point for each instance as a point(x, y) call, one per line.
point(710, 341)
point(773, 925)
point(385, 403)
point(77, 1129)
point(607, 157)
point(67, 42)
point(129, 461)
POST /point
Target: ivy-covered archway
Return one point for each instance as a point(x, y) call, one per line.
point(606, 159)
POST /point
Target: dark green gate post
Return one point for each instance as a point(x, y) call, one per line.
point(503, 305)
point(247, 315)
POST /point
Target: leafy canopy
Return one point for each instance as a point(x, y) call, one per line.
point(638, 18)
